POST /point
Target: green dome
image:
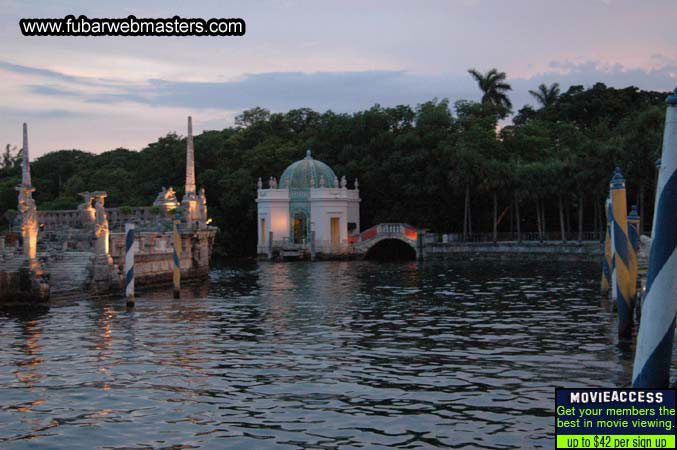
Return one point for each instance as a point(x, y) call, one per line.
point(303, 173)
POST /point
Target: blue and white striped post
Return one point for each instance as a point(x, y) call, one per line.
point(608, 256)
point(653, 356)
point(633, 250)
point(614, 281)
point(176, 257)
point(622, 261)
point(130, 250)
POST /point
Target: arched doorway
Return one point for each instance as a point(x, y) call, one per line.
point(391, 249)
point(299, 227)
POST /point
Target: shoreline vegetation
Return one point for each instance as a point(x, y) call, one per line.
point(470, 167)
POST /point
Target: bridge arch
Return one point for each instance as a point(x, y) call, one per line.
point(390, 247)
point(389, 237)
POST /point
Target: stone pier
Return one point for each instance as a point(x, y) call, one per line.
point(80, 252)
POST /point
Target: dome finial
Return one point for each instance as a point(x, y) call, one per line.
point(308, 154)
point(672, 99)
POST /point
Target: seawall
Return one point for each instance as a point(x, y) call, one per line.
point(532, 251)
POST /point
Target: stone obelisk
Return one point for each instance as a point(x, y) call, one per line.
point(26, 206)
point(25, 166)
point(190, 200)
point(190, 160)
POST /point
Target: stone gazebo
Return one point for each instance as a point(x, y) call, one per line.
point(309, 213)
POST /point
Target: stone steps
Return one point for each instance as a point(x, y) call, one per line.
point(71, 272)
point(12, 263)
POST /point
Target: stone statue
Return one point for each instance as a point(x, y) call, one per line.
point(160, 197)
point(312, 181)
point(202, 207)
point(87, 212)
point(357, 184)
point(323, 181)
point(344, 182)
point(336, 181)
point(285, 185)
point(101, 229)
point(166, 199)
point(29, 223)
point(259, 184)
point(274, 183)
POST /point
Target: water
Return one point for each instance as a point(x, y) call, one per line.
point(321, 355)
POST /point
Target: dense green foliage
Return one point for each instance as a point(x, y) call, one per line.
point(434, 166)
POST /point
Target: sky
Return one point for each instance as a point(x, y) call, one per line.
point(100, 93)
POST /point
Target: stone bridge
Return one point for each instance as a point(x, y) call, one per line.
point(369, 238)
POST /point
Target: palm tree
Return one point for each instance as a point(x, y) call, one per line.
point(494, 87)
point(545, 95)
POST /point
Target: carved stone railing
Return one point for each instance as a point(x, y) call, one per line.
point(145, 218)
point(60, 219)
point(399, 230)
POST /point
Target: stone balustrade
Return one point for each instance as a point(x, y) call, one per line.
point(60, 219)
point(143, 217)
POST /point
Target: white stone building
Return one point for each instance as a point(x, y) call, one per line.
point(309, 212)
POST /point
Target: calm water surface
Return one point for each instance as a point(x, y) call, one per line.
point(321, 355)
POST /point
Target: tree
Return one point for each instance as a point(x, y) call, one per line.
point(472, 148)
point(494, 90)
point(545, 95)
point(419, 164)
point(8, 159)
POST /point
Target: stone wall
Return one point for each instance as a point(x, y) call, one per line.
point(546, 251)
point(153, 262)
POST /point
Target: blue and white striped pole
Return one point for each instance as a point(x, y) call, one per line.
point(130, 250)
point(614, 281)
point(608, 256)
point(653, 356)
point(622, 262)
point(176, 257)
point(633, 250)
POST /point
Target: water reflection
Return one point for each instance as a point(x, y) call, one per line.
point(327, 354)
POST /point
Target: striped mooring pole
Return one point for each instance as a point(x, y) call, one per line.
point(653, 356)
point(619, 230)
point(614, 279)
point(633, 237)
point(130, 250)
point(176, 256)
point(606, 262)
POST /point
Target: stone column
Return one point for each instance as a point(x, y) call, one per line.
point(190, 200)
